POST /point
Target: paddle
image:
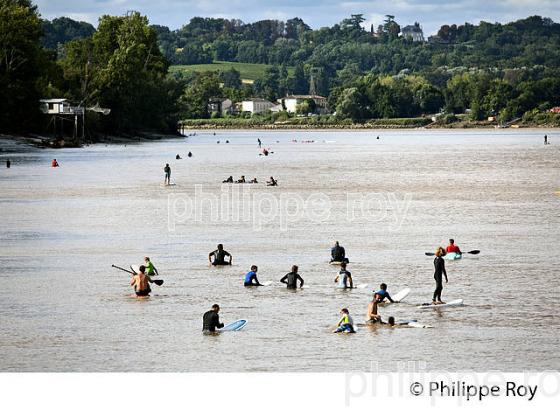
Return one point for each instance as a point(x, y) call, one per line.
point(473, 252)
point(158, 282)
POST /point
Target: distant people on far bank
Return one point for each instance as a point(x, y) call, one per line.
point(54, 163)
point(167, 171)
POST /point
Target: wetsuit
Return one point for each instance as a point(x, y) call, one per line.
point(219, 257)
point(211, 321)
point(167, 171)
point(439, 265)
point(251, 279)
point(343, 277)
point(290, 279)
point(150, 270)
point(347, 325)
point(383, 294)
point(338, 254)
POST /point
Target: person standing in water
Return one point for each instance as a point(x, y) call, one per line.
point(219, 256)
point(54, 163)
point(545, 139)
point(291, 279)
point(439, 265)
point(346, 323)
point(141, 283)
point(251, 277)
point(8, 163)
point(167, 171)
point(259, 141)
point(344, 278)
point(211, 320)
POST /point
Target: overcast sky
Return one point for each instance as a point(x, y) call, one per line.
point(431, 14)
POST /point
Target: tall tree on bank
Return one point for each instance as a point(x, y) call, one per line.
point(21, 63)
point(121, 68)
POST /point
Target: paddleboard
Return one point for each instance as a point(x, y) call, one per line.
point(452, 256)
point(404, 322)
point(419, 325)
point(453, 303)
point(234, 326)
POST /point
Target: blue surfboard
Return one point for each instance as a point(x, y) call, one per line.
point(234, 326)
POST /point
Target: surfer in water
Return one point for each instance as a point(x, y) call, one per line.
point(150, 268)
point(54, 163)
point(439, 265)
point(338, 254)
point(259, 141)
point(211, 320)
point(228, 181)
point(219, 256)
point(344, 278)
point(290, 279)
point(452, 248)
point(272, 182)
point(378, 297)
point(167, 171)
point(8, 163)
point(345, 324)
point(141, 283)
point(251, 277)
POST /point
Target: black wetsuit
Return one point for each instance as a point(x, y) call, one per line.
point(290, 279)
point(211, 321)
point(219, 257)
point(439, 265)
point(338, 254)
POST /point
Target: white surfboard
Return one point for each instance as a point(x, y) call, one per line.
point(401, 295)
point(419, 325)
point(267, 283)
point(453, 303)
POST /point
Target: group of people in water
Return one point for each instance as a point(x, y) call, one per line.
point(142, 279)
point(242, 180)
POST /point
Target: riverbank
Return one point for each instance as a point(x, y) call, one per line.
point(45, 141)
point(330, 123)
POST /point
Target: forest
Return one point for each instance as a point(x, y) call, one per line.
point(509, 71)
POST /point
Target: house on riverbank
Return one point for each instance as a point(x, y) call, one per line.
point(257, 105)
point(291, 103)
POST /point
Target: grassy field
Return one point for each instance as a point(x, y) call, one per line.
point(249, 72)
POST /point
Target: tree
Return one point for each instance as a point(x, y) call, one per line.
point(307, 106)
point(22, 63)
point(351, 104)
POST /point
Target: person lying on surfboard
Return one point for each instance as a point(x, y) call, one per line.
point(219, 256)
point(338, 254)
point(141, 282)
point(211, 320)
point(345, 324)
point(452, 248)
point(439, 266)
point(251, 277)
point(150, 268)
point(344, 277)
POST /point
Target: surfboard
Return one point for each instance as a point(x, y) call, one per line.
point(234, 326)
point(453, 303)
point(401, 295)
point(419, 325)
point(267, 283)
point(337, 263)
point(452, 256)
point(360, 286)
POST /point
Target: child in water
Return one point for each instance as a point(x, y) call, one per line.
point(345, 324)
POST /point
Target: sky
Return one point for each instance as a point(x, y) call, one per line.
point(431, 14)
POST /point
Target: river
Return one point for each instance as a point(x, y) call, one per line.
point(387, 200)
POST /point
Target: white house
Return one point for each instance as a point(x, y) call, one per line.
point(256, 105)
point(55, 106)
point(414, 32)
point(291, 102)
